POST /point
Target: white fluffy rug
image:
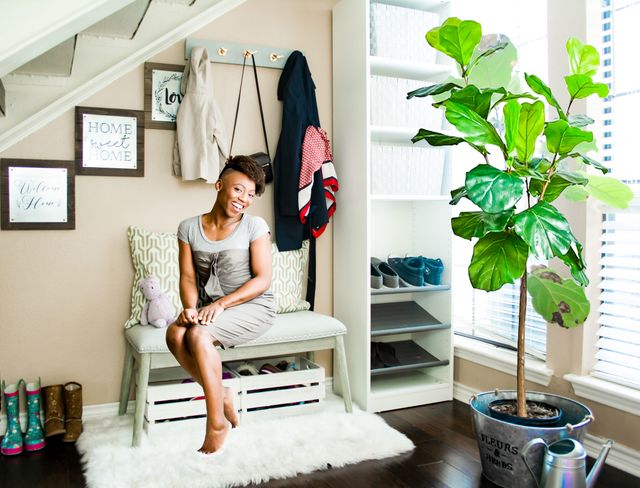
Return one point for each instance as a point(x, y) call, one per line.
point(257, 451)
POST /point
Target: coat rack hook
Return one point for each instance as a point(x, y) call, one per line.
point(274, 57)
point(248, 54)
point(222, 51)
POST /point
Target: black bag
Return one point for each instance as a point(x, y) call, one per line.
point(262, 158)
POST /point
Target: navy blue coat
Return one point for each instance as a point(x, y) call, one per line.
point(296, 90)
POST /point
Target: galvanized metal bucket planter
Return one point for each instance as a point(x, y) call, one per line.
point(500, 442)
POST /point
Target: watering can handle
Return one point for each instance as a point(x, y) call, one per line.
point(525, 451)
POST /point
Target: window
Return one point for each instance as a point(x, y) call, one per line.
point(493, 317)
point(618, 337)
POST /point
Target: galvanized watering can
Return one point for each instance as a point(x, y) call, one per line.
point(565, 464)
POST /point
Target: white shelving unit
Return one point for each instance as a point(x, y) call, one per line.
point(374, 222)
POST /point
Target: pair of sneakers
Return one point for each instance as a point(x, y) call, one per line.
point(418, 270)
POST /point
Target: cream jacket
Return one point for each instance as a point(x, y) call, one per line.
point(201, 140)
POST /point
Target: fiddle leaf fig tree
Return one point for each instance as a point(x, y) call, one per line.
point(525, 167)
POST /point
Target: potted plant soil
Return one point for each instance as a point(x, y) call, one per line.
point(530, 151)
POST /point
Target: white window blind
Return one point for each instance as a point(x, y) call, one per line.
point(618, 341)
point(493, 317)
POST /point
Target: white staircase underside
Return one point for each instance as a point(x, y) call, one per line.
point(29, 28)
point(34, 101)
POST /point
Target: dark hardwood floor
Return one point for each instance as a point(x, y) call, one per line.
point(445, 456)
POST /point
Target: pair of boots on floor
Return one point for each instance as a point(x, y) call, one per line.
point(63, 415)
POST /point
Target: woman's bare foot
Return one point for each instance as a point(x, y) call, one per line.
point(214, 439)
point(229, 411)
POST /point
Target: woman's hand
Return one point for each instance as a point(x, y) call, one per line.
point(210, 313)
point(188, 316)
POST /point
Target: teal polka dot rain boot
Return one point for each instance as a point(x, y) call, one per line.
point(12, 440)
point(34, 438)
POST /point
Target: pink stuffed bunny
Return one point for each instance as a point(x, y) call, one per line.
point(158, 311)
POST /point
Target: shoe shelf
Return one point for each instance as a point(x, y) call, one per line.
point(411, 356)
point(401, 318)
point(409, 289)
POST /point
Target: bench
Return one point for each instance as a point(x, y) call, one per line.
point(292, 333)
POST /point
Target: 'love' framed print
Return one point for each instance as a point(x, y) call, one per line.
point(162, 95)
point(37, 194)
point(109, 142)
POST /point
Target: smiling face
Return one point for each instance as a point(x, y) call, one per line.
point(236, 192)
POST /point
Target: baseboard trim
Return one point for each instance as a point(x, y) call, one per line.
point(620, 456)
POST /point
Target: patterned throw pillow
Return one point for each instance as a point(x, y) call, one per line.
point(153, 253)
point(289, 273)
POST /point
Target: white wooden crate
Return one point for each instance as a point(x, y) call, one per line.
point(173, 398)
point(289, 391)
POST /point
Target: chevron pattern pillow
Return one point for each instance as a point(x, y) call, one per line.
point(289, 273)
point(153, 253)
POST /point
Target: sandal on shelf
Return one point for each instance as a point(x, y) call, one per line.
point(390, 278)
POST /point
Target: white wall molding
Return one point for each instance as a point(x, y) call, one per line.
point(620, 456)
point(500, 359)
point(606, 392)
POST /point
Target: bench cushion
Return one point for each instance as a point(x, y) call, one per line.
point(288, 327)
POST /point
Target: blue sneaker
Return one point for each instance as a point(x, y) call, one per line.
point(433, 271)
point(410, 269)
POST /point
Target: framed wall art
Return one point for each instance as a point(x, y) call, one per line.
point(37, 194)
point(109, 142)
point(162, 95)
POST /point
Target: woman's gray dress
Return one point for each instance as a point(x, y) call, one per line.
point(221, 268)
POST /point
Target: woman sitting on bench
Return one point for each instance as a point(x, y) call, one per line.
point(225, 259)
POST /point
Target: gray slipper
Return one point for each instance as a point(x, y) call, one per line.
point(376, 278)
point(389, 276)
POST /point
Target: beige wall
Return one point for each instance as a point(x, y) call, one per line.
point(64, 295)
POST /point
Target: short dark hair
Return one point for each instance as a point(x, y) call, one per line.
point(247, 166)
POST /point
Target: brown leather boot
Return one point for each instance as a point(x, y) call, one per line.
point(54, 410)
point(72, 411)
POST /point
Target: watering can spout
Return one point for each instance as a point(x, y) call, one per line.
point(597, 466)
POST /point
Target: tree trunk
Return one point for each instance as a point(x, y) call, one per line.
point(522, 315)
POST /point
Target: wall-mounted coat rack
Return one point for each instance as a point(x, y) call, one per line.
point(233, 53)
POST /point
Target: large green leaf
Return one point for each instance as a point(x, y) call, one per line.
point(476, 129)
point(557, 184)
point(473, 98)
point(545, 230)
point(495, 71)
point(456, 38)
point(610, 191)
point(575, 261)
point(436, 138)
point(583, 58)
point(562, 138)
point(590, 161)
point(498, 258)
point(580, 120)
point(582, 86)
point(539, 86)
point(427, 91)
point(477, 224)
point(492, 189)
point(489, 52)
point(457, 194)
point(511, 112)
point(576, 193)
point(530, 125)
point(559, 301)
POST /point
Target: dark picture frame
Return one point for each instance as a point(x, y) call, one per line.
point(37, 194)
point(162, 95)
point(109, 142)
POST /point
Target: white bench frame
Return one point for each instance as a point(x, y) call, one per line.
point(144, 362)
